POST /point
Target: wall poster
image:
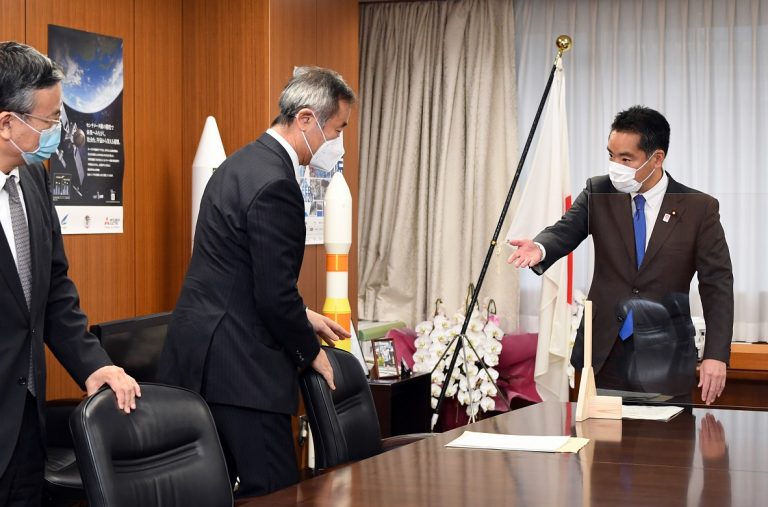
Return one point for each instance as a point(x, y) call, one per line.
point(87, 171)
point(313, 183)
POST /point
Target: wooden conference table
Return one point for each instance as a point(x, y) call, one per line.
point(701, 457)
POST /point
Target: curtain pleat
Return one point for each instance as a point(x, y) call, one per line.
point(438, 151)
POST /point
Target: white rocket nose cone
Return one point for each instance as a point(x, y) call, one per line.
point(210, 155)
point(338, 216)
point(338, 189)
point(210, 151)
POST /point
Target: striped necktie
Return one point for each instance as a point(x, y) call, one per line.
point(23, 256)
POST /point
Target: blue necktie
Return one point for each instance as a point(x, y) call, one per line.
point(639, 223)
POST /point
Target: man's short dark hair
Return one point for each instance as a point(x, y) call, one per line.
point(651, 125)
point(23, 70)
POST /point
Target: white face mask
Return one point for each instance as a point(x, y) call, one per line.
point(329, 153)
point(623, 177)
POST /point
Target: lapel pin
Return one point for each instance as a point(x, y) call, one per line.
point(667, 217)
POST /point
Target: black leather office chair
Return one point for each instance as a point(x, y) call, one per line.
point(166, 452)
point(63, 486)
point(344, 423)
point(134, 344)
point(664, 357)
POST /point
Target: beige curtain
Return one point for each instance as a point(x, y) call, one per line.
point(438, 152)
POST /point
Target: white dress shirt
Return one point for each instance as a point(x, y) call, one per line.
point(291, 152)
point(653, 200)
point(5, 210)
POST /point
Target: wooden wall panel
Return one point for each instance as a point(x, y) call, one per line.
point(292, 42)
point(102, 266)
point(323, 33)
point(309, 32)
point(225, 57)
point(185, 60)
point(12, 25)
point(337, 39)
point(236, 71)
point(161, 256)
point(139, 271)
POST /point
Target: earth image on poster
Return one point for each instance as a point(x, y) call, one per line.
point(93, 68)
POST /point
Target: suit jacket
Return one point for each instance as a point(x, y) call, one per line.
point(690, 241)
point(54, 315)
point(239, 332)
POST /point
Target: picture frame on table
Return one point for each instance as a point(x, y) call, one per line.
point(384, 358)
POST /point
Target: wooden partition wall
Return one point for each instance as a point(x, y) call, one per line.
point(140, 270)
point(185, 60)
point(237, 57)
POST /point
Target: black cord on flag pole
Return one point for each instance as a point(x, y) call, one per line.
point(563, 44)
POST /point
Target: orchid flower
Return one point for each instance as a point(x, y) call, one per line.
point(468, 383)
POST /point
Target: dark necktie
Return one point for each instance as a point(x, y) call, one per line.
point(638, 220)
point(23, 255)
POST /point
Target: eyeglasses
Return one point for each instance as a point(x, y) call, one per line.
point(50, 122)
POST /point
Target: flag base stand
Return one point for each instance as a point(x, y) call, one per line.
point(589, 404)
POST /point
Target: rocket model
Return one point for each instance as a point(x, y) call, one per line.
point(210, 154)
point(338, 239)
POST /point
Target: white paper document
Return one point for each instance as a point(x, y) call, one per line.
point(650, 412)
point(475, 440)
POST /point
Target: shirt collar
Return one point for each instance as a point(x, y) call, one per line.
point(285, 144)
point(655, 194)
point(4, 177)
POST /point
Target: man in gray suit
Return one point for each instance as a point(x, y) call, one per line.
point(39, 301)
point(240, 332)
point(651, 235)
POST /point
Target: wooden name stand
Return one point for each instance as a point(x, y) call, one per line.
point(589, 404)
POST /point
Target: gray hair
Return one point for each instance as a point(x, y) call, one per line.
point(23, 70)
point(315, 88)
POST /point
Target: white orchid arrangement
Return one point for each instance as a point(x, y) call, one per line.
point(469, 383)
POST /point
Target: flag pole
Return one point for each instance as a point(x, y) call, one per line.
point(563, 44)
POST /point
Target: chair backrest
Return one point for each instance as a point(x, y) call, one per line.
point(166, 452)
point(135, 344)
point(344, 423)
point(664, 359)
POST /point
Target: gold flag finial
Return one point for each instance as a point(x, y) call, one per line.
point(563, 44)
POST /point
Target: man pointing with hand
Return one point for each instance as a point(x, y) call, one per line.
point(651, 235)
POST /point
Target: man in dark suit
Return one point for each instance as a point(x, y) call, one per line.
point(240, 331)
point(651, 234)
point(39, 301)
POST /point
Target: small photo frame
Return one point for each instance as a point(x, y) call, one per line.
point(384, 358)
